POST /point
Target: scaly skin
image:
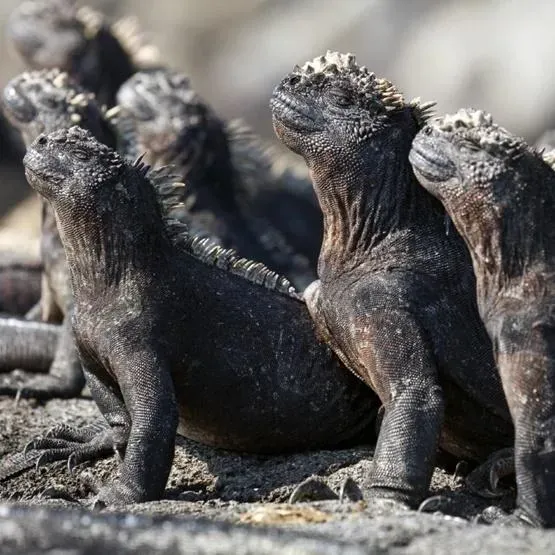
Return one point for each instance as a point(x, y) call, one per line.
point(235, 190)
point(396, 294)
point(57, 34)
point(35, 102)
point(175, 335)
point(500, 194)
point(20, 279)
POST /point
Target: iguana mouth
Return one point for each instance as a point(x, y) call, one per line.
point(431, 165)
point(17, 106)
point(291, 113)
point(37, 177)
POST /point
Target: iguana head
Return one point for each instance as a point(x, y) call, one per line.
point(163, 116)
point(332, 106)
point(47, 33)
point(468, 153)
point(42, 101)
point(70, 165)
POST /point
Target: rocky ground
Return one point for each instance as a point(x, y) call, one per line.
point(223, 502)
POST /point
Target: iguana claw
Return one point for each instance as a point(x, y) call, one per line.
point(350, 491)
point(312, 489)
point(432, 504)
point(484, 480)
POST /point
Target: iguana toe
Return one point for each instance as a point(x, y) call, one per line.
point(495, 515)
point(433, 504)
point(350, 491)
point(312, 489)
point(118, 494)
point(484, 480)
point(73, 445)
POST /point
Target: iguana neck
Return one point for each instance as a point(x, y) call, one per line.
point(368, 201)
point(122, 238)
point(506, 241)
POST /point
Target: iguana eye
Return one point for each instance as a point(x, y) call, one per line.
point(80, 154)
point(339, 97)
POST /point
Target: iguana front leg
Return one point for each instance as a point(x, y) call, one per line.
point(147, 388)
point(65, 378)
point(399, 365)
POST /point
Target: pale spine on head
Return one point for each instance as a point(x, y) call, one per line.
point(375, 88)
point(127, 32)
point(76, 99)
point(489, 135)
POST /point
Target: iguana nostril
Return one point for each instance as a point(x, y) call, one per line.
point(42, 140)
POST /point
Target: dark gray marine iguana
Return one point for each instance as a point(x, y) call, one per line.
point(396, 295)
point(35, 102)
point(59, 34)
point(177, 334)
point(238, 189)
point(500, 194)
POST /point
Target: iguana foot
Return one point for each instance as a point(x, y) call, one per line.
point(58, 493)
point(312, 489)
point(43, 386)
point(73, 445)
point(484, 480)
point(495, 515)
point(117, 493)
point(384, 506)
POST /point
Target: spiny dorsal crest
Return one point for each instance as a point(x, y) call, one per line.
point(127, 31)
point(135, 42)
point(75, 98)
point(170, 189)
point(169, 192)
point(374, 88)
point(91, 19)
point(479, 126)
point(208, 252)
point(549, 158)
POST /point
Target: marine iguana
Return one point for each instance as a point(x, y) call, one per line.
point(35, 102)
point(100, 56)
point(237, 190)
point(396, 294)
point(500, 194)
point(175, 333)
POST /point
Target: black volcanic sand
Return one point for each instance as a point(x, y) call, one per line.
point(232, 488)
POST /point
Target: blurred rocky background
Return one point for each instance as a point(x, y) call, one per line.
point(492, 54)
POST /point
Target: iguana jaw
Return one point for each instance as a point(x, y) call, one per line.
point(41, 170)
point(291, 112)
point(17, 106)
point(431, 162)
